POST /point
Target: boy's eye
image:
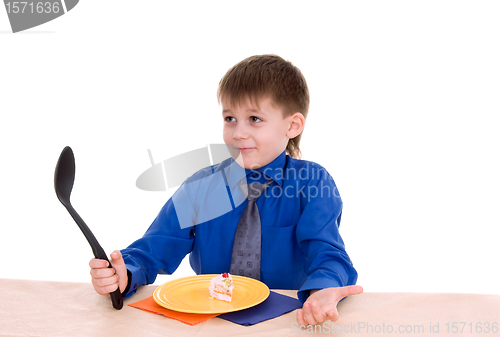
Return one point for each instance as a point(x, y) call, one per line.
point(255, 119)
point(229, 119)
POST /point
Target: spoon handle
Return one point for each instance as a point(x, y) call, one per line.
point(117, 299)
point(116, 296)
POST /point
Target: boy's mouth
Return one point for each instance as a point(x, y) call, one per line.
point(246, 149)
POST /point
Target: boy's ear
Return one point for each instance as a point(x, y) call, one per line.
point(297, 123)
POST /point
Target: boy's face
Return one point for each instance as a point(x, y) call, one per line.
point(255, 134)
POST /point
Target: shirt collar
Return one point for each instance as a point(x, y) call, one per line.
point(273, 170)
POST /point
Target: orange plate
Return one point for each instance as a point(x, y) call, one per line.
point(190, 294)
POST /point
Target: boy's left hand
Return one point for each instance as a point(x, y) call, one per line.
point(322, 304)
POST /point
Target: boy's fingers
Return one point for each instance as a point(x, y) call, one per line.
point(308, 315)
point(121, 269)
point(349, 290)
point(333, 315)
point(355, 289)
point(300, 317)
point(318, 314)
point(97, 263)
point(102, 272)
point(117, 258)
point(106, 281)
point(106, 290)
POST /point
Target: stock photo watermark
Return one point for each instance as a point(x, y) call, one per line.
point(173, 172)
point(472, 328)
point(211, 172)
point(24, 15)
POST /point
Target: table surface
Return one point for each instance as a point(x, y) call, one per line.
point(46, 308)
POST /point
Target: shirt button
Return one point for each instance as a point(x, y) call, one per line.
point(255, 175)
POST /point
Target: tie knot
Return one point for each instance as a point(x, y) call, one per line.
point(254, 190)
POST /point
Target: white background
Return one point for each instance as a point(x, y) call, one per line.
point(404, 115)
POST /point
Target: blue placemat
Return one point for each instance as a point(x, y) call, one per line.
point(275, 305)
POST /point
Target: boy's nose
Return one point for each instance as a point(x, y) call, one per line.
point(240, 132)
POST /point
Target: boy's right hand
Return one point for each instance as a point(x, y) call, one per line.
point(107, 280)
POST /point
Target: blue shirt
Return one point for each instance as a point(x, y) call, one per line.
point(300, 215)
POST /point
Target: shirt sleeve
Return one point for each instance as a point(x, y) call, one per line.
point(160, 250)
point(328, 264)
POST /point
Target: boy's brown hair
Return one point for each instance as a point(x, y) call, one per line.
point(263, 76)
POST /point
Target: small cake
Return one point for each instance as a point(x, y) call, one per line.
point(221, 287)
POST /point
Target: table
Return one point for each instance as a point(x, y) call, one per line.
point(47, 308)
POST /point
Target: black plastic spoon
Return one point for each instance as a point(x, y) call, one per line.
point(64, 177)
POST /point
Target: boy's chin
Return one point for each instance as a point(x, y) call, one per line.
point(246, 163)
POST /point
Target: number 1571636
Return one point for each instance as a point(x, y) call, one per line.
point(32, 7)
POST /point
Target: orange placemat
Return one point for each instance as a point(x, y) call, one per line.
point(148, 304)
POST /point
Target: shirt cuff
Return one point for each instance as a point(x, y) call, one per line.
point(135, 280)
point(322, 283)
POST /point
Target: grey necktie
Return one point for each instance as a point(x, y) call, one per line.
point(245, 260)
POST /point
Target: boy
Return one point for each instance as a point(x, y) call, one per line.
point(265, 101)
